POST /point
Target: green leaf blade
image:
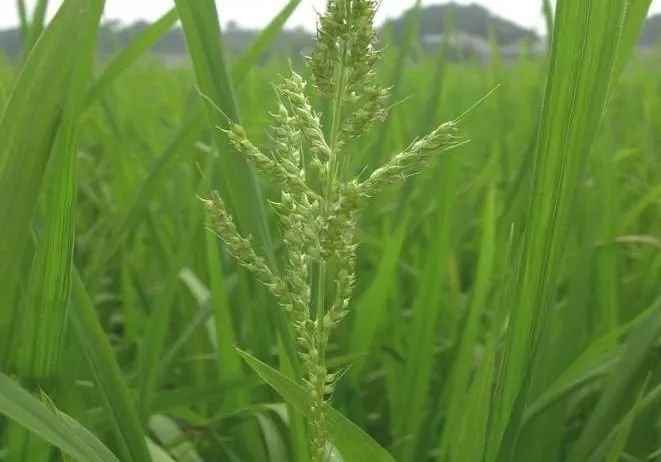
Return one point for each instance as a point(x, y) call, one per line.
point(352, 442)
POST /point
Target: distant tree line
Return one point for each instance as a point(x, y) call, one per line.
point(471, 20)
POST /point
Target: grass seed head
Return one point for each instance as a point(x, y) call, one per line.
point(318, 228)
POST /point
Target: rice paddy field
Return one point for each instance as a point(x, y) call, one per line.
point(507, 301)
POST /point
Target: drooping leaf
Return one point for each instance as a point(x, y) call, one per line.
point(50, 424)
point(352, 442)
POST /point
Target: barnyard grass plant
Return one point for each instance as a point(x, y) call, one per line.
point(319, 202)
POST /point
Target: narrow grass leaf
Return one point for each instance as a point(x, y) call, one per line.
point(263, 41)
point(23, 21)
point(623, 386)
point(352, 442)
point(48, 288)
point(50, 424)
point(28, 127)
point(237, 180)
point(620, 435)
point(471, 442)
point(44, 312)
point(202, 30)
point(596, 361)
point(130, 54)
point(36, 23)
point(635, 15)
point(114, 392)
point(427, 306)
point(371, 308)
point(273, 440)
point(582, 66)
point(176, 151)
point(463, 363)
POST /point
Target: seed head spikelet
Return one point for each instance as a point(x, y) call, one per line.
point(412, 159)
point(343, 65)
point(309, 123)
point(238, 246)
point(271, 170)
point(286, 139)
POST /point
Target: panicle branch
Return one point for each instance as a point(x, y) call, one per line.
point(292, 89)
point(269, 168)
point(286, 138)
point(238, 246)
point(412, 160)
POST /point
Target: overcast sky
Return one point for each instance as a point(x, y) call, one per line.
point(256, 13)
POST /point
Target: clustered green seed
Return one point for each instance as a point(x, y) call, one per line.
point(318, 226)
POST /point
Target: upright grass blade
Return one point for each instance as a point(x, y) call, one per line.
point(23, 20)
point(36, 24)
point(353, 444)
point(455, 393)
point(156, 333)
point(229, 364)
point(584, 57)
point(547, 9)
point(274, 442)
point(28, 128)
point(50, 424)
point(202, 30)
point(620, 434)
point(596, 361)
point(635, 15)
point(114, 393)
point(606, 259)
point(48, 288)
point(189, 131)
point(199, 21)
point(128, 55)
point(472, 434)
point(261, 43)
point(419, 355)
point(44, 314)
point(371, 308)
point(624, 385)
point(410, 34)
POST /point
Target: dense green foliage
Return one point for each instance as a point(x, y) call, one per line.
point(454, 272)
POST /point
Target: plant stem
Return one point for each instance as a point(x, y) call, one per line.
point(318, 432)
